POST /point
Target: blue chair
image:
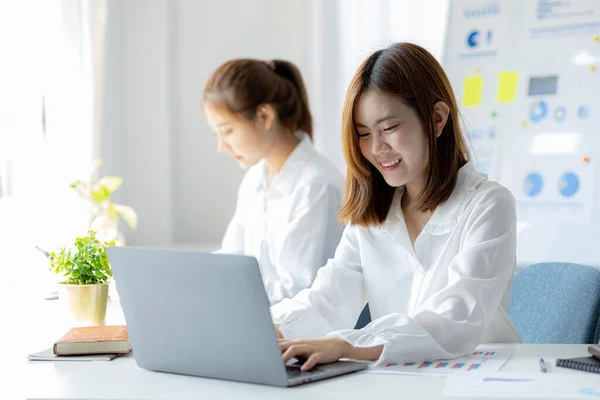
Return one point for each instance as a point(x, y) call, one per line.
point(364, 318)
point(557, 303)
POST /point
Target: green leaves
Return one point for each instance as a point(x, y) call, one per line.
point(88, 265)
point(128, 214)
point(111, 183)
point(99, 194)
point(105, 187)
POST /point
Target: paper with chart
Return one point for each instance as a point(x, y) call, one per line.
point(486, 358)
point(524, 386)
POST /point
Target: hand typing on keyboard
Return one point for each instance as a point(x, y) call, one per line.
point(314, 351)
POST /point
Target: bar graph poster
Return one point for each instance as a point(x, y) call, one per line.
point(484, 359)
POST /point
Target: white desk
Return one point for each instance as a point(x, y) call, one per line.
point(122, 379)
point(33, 327)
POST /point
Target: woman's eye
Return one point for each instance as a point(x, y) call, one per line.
point(391, 128)
point(364, 134)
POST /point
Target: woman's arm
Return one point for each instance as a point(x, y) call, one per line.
point(333, 302)
point(452, 321)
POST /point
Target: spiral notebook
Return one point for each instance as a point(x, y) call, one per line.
point(588, 364)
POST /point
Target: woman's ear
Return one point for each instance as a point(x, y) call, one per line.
point(266, 114)
point(440, 117)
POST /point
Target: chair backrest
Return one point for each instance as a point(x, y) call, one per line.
point(557, 303)
point(364, 319)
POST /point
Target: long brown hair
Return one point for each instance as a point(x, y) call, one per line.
point(411, 73)
point(244, 84)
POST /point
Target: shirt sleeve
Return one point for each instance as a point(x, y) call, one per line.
point(334, 301)
point(455, 319)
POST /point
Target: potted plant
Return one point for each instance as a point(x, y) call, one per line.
point(105, 215)
point(87, 274)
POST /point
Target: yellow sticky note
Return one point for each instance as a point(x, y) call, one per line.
point(472, 90)
point(507, 87)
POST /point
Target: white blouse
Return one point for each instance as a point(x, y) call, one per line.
point(291, 226)
point(438, 300)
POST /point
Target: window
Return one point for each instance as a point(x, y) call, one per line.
point(46, 133)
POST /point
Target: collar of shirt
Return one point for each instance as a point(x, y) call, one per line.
point(447, 214)
point(284, 181)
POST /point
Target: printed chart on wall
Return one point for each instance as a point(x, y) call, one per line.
point(481, 29)
point(484, 359)
point(548, 20)
point(527, 77)
point(549, 190)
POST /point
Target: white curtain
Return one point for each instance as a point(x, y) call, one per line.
point(49, 125)
point(345, 32)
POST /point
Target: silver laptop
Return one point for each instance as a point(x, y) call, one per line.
point(204, 315)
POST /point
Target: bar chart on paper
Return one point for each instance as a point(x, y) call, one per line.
point(484, 359)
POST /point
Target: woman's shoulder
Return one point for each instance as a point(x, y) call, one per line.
point(474, 187)
point(473, 195)
point(492, 201)
point(319, 171)
point(493, 193)
point(314, 182)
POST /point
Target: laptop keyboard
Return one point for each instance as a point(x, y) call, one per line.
point(294, 371)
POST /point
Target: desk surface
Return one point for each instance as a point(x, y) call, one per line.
point(122, 379)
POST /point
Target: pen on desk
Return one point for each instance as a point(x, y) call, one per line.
point(44, 252)
point(54, 294)
point(543, 365)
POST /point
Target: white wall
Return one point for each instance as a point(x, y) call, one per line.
point(111, 138)
point(147, 116)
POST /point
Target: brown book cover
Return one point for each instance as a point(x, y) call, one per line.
point(93, 340)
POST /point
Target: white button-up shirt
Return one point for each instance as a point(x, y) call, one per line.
point(291, 226)
point(438, 300)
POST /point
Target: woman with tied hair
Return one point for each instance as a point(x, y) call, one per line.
point(290, 195)
point(430, 243)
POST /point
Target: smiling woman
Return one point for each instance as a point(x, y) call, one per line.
point(397, 120)
point(430, 243)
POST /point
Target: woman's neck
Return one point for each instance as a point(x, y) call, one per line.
point(415, 219)
point(282, 148)
point(411, 192)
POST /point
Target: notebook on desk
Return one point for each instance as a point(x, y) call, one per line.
point(588, 364)
point(48, 355)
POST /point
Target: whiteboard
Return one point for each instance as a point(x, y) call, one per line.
point(527, 79)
